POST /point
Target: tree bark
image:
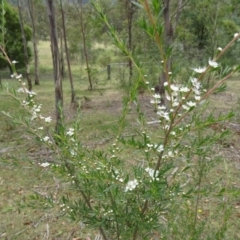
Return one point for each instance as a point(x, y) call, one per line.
point(67, 55)
point(130, 12)
point(26, 58)
point(168, 41)
point(56, 66)
point(34, 40)
point(85, 45)
point(62, 66)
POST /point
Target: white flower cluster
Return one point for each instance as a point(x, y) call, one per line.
point(108, 212)
point(117, 175)
point(159, 148)
point(35, 110)
point(70, 132)
point(45, 164)
point(29, 103)
point(176, 95)
point(131, 185)
point(211, 63)
point(47, 119)
point(46, 139)
point(152, 173)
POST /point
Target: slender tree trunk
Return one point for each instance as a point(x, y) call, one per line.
point(67, 55)
point(85, 45)
point(26, 59)
point(56, 66)
point(62, 66)
point(130, 12)
point(167, 40)
point(34, 40)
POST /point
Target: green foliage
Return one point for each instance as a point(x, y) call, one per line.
point(12, 37)
point(142, 185)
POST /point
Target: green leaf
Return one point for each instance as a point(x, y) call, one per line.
point(137, 4)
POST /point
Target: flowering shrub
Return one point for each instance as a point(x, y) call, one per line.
point(141, 200)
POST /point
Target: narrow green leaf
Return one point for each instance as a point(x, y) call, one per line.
point(137, 4)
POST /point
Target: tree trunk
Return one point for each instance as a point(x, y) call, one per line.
point(130, 12)
point(84, 45)
point(56, 66)
point(168, 41)
point(62, 66)
point(26, 59)
point(34, 40)
point(67, 55)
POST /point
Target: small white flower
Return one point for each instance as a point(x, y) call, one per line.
point(184, 89)
point(160, 148)
point(199, 70)
point(73, 153)
point(219, 49)
point(168, 97)
point(152, 173)
point(147, 83)
point(196, 91)
point(19, 76)
point(174, 87)
point(213, 63)
point(145, 75)
point(185, 107)
point(162, 107)
point(191, 104)
point(48, 119)
point(164, 115)
point(149, 145)
point(14, 62)
point(31, 93)
point(165, 84)
point(70, 132)
point(20, 90)
point(195, 83)
point(40, 128)
point(170, 154)
point(166, 127)
point(236, 34)
point(152, 89)
point(157, 96)
point(175, 104)
point(45, 139)
point(131, 185)
point(197, 98)
point(169, 73)
point(46, 164)
point(193, 80)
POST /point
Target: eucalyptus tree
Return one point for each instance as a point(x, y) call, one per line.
point(56, 66)
point(31, 11)
point(67, 53)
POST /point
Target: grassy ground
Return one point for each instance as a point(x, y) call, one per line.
point(24, 216)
